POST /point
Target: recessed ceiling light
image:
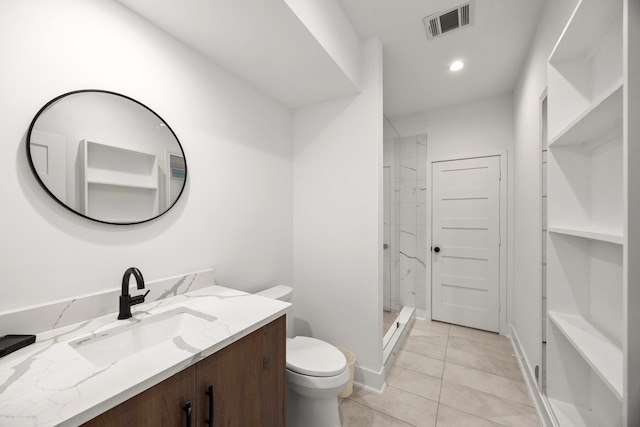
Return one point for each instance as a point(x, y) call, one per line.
point(456, 66)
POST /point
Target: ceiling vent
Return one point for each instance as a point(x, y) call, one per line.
point(441, 23)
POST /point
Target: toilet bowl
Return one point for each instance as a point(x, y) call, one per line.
point(316, 373)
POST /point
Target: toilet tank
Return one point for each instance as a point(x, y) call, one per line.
point(280, 292)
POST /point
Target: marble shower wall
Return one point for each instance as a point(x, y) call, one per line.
point(409, 257)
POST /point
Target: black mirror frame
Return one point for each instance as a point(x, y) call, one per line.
point(46, 189)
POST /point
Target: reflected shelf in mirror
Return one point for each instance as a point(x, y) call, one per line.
point(106, 157)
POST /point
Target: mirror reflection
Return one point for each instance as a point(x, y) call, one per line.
point(106, 157)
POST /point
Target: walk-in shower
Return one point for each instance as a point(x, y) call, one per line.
point(405, 251)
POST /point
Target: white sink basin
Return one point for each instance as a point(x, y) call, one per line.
point(117, 343)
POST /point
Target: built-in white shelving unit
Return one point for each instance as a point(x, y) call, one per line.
point(587, 233)
point(604, 356)
point(587, 368)
point(118, 184)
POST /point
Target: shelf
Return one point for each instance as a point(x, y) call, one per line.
point(597, 125)
point(591, 23)
point(587, 75)
point(604, 357)
point(122, 177)
point(121, 204)
point(117, 159)
point(119, 185)
point(122, 185)
point(585, 68)
point(585, 192)
point(570, 415)
point(588, 233)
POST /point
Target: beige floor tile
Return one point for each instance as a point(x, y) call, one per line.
point(482, 349)
point(480, 336)
point(433, 326)
point(423, 348)
point(423, 364)
point(354, 414)
point(400, 404)
point(431, 337)
point(501, 411)
point(414, 382)
point(483, 363)
point(450, 417)
point(489, 383)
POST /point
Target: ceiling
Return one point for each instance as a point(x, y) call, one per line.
point(264, 43)
point(416, 75)
point(261, 41)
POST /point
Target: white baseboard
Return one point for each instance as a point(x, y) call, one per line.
point(422, 314)
point(398, 335)
point(540, 403)
point(375, 381)
point(368, 379)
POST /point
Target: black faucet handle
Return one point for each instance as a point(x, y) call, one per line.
point(138, 299)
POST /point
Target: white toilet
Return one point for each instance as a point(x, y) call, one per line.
point(316, 373)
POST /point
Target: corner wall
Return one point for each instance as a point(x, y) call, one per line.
point(337, 220)
point(236, 212)
point(329, 25)
point(527, 289)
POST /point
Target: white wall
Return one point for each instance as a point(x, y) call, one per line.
point(470, 128)
point(329, 25)
point(337, 222)
point(474, 128)
point(527, 292)
point(236, 212)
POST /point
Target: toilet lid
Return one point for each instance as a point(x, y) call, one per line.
point(313, 357)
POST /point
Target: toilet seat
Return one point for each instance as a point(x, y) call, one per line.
point(313, 357)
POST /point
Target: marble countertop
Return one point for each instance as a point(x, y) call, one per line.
point(50, 384)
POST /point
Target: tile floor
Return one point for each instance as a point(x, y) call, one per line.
point(446, 376)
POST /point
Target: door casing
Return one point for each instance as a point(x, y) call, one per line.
point(504, 226)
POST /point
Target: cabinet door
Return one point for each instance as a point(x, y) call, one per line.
point(161, 405)
point(248, 380)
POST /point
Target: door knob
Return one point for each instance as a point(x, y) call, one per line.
point(436, 249)
point(385, 246)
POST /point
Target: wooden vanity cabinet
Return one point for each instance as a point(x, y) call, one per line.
point(161, 405)
point(247, 379)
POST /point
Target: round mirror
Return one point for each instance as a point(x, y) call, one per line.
point(106, 157)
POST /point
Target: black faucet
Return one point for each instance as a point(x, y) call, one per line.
point(126, 300)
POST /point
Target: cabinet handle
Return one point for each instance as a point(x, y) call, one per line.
point(187, 410)
point(210, 395)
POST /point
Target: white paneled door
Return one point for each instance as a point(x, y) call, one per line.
point(465, 237)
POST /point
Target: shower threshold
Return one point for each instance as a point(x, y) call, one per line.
point(394, 334)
